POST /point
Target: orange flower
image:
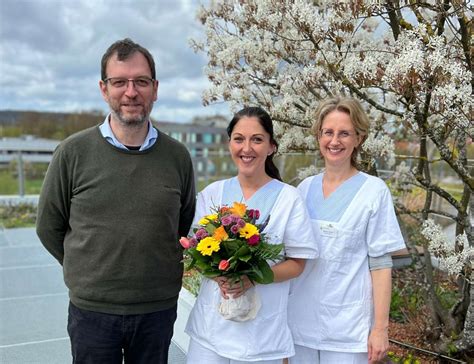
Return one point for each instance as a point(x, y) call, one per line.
point(238, 209)
point(220, 234)
point(224, 209)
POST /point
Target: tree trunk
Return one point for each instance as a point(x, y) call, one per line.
point(466, 341)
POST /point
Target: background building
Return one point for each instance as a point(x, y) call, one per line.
point(206, 141)
point(207, 145)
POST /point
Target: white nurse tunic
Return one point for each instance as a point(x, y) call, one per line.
point(268, 336)
point(331, 307)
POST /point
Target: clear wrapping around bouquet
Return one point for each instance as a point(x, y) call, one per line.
point(240, 309)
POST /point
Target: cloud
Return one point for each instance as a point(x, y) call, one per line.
point(28, 24)
point(50, 53)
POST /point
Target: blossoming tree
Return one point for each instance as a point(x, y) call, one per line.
point(410, 63)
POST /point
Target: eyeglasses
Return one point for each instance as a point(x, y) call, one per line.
point(122, 83)
point(342, 134)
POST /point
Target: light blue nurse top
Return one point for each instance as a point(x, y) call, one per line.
point(262, 200)
point(333, 207)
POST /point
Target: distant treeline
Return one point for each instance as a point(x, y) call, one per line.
point(46, 124)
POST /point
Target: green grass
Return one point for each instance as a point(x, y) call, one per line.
point(9, 184)
point(409, 359)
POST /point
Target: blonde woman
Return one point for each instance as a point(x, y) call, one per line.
point(339, 307)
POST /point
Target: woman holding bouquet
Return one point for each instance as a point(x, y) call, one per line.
point(339, 308)
point(265, 338)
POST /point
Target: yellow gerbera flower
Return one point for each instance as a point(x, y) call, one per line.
point(212, 217)
point(208, 245)
point(248, 230)
point(206, 219)
point(203, 221)
point(220, 234)
point(238, 209)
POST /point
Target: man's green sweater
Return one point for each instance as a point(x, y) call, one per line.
point(113, 219)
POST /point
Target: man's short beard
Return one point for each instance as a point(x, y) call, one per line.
point(132, 122)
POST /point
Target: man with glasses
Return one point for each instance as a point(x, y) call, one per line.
point(115, 200)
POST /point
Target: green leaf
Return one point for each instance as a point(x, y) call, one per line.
point(212, 274)
point(201, 265)
point(255, 275)
point(266, 272)
point(245, 258)
point(210, 229)
point(231, 246)
point(197, 255)
point(216, 258)
point(243, 251)
point(268, 251)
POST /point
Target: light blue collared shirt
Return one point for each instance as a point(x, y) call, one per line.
point(108, 134)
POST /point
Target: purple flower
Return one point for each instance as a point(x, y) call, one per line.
point(192, 242)
point(226, 220)
point(241, 223)
point(254, 214)
point(234, 229)
point(201, 234)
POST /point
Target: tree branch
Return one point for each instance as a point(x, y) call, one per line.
point(466, 43)
point(392, 15)
point(441, 19)
point(447, 156)
point(439, 191)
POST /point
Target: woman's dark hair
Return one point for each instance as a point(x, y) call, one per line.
point(266, 122)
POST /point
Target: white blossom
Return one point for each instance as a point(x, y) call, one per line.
point(403, 177)
point(380, 146)
point(452, 257)
point(305, 172)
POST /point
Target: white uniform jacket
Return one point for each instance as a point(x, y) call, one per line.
point(267, 336)
point(331, 307)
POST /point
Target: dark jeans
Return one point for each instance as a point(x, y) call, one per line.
point(100, 338)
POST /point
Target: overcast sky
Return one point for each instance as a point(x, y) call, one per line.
point(50, 53)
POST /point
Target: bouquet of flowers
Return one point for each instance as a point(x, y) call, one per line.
point(229, 243)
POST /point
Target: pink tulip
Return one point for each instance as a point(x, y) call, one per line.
point(224, 264)
point(185, 243)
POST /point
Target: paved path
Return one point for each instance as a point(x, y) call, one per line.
point(33, 303)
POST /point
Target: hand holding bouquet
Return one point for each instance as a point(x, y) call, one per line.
point(228, 243)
